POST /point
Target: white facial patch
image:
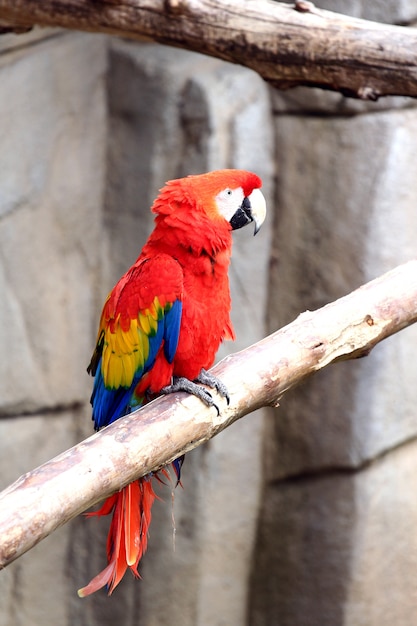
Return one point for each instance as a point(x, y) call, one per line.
point(228, 201)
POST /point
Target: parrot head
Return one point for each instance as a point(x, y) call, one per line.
point(228, 197)
point(234, 195)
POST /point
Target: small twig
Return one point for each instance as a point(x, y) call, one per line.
point(44, 499)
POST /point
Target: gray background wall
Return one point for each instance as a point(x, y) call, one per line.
point(301, 516)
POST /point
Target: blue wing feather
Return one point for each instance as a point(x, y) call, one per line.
point(172, 322)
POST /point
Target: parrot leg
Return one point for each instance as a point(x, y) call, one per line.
point(183, 384)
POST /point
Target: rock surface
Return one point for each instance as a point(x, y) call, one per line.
point(344, 548)
point(51, 183)
point(338, 513)
point(305, 518)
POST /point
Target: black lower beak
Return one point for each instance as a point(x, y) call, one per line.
point(243, 215)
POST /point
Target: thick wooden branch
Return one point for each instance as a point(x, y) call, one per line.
point(44, 499)
point(287, 45)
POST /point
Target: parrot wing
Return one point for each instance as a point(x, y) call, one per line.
point(141, 314)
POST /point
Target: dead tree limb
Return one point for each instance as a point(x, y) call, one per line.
point(44, 499)
point(288, 45)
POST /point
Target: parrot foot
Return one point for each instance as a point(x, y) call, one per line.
point(183, 384)
point(205, 378)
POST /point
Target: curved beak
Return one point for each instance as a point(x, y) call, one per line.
point(252, 209)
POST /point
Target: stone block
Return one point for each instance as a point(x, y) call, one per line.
point(309, 100)
point(36, 588)
point(346, 214)
point(339, 547)
point(388, 11)
point(12, 41)
point(51, 181)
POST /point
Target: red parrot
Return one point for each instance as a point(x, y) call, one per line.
point(161, 327)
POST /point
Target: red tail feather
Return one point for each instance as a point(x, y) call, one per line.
point(147, 499)
point(132, 522)
point(128, 535)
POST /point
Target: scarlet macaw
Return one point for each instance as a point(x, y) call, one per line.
point(161, 327)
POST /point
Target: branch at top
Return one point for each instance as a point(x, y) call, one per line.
point(288, 45)
point(47, 497)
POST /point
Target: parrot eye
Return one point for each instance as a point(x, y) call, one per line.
point(228, 201)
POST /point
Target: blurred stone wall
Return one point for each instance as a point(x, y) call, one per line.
point(303, 516)
point(337, 541)
point(52, 173)
point(91, 129)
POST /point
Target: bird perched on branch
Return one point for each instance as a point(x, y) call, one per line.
point(161, 327)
